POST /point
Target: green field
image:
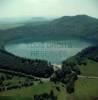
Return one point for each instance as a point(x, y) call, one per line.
point(36, 89)
point(91, 69)
point(86, 89)
point(14, 98)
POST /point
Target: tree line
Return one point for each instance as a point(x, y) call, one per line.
point(36, 67)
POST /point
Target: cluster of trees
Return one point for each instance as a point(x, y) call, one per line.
point(38, 68)
point(88, 53)
point(46, 96)
point(68, 74)
point(14, 86)
point(4, 86)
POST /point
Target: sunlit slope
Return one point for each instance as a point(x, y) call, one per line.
point(87, 60)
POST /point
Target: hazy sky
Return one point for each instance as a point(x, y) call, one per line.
point(19, 8)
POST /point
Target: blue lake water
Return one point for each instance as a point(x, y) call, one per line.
point(53, 51)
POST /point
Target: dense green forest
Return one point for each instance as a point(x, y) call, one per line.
point(38, 68)
point(81, 57)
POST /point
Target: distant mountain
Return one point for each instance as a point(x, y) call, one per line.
point(80, 26)
point(21, 20)
point(9, 23)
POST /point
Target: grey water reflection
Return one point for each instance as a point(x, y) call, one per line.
point(53, 51)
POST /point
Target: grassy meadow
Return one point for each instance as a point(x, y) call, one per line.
point(86, 89)
point(91, 69)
